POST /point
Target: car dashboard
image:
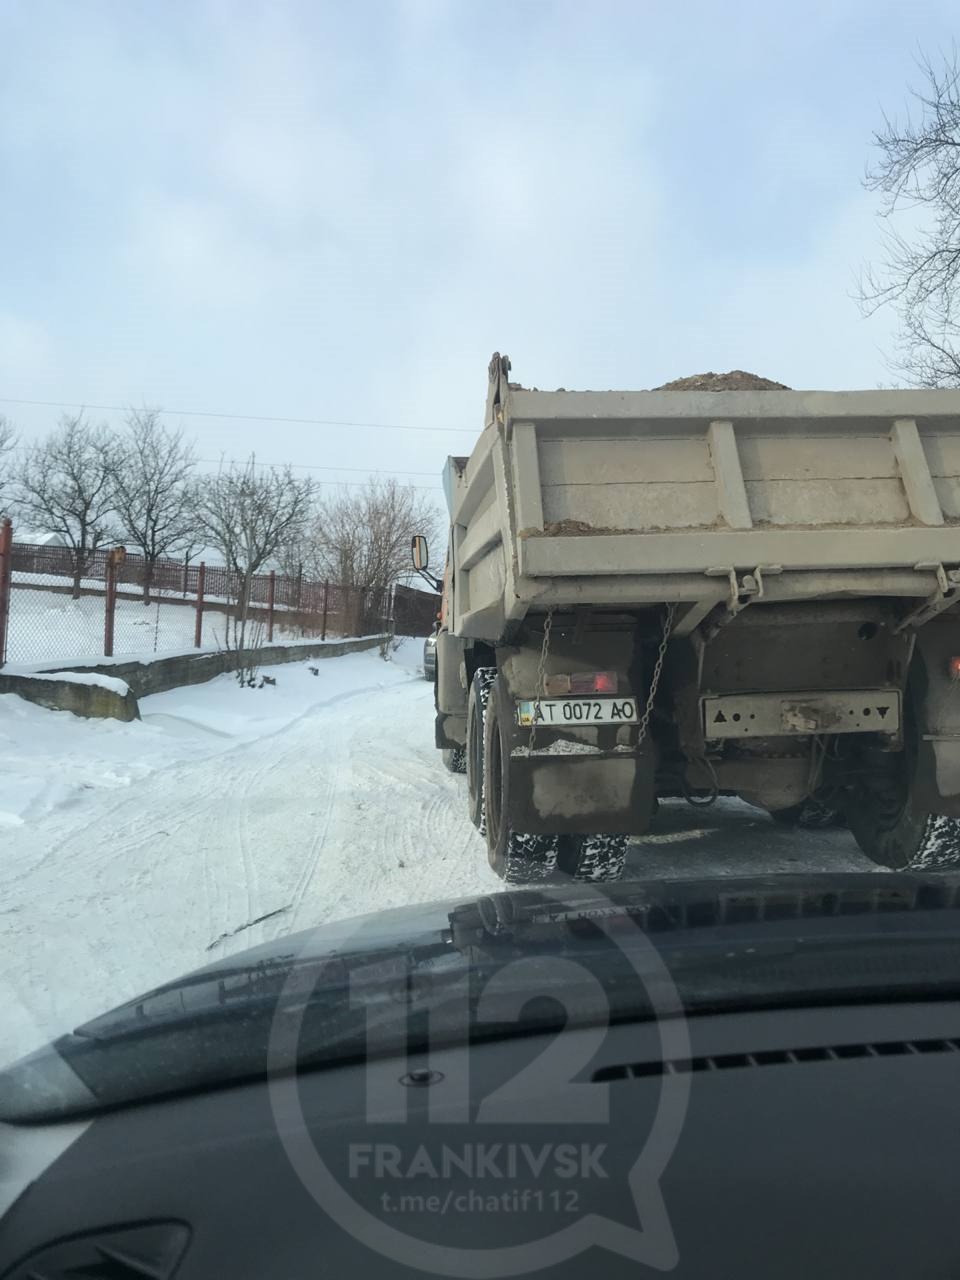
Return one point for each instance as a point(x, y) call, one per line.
point(812, 1141)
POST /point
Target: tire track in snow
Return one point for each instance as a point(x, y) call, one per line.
point(134, 885)
point(421, 845)
point(315, 853)
point(315, 738)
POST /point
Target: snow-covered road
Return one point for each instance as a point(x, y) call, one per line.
point(132, 853)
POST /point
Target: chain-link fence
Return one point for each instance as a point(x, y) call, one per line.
point(51, 609)
point(162, 626)
point(44, 624)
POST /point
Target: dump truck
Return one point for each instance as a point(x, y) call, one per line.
point(702, 593)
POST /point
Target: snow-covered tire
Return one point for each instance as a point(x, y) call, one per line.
point(892, 836)
point(595, 859)
point(526, 859)
point(517, 857)
point(877, 810)
point(939, 846)
point(454, 759)
point(811, 815)
point(479, 696)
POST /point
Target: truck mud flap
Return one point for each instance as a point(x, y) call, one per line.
point(450, 732)
point(582, 795)
point(451, 692)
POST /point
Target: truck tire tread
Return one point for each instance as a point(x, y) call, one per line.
point(528, 859)
point(912, 842)
point(939, 844)
point(481, 685)
point(595, 859)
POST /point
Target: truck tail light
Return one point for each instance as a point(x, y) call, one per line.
point(582, 682)
point(594, 682)
point(954, 668)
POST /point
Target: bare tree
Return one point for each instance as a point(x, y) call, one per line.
point(64, 485)
point(248, 513)
point(193, 541)
point(7, 442)
point(918, 177)
point(152, 491)
point(362, 540)
point(294, 556)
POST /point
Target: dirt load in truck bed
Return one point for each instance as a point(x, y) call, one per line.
point(735, 380)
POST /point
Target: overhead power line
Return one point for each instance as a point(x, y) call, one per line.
point(324, 466)
point(353, 484)
point(313, 466)
point(243, 417)
point(358, 484)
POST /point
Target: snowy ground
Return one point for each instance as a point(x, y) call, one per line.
point(227, 817)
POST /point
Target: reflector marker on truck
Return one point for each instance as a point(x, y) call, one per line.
point(736, 715)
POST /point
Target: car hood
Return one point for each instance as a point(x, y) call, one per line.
point(726, 943)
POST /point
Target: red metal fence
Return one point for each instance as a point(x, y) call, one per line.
point(42, 616)
point(168, 577)
point(6, 548)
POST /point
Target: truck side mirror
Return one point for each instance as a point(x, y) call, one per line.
point(419, 552)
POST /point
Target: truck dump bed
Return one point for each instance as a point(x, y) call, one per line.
point(619, 499)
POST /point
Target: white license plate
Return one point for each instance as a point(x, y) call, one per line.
point(561, 711)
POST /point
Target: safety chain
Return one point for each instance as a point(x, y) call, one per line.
point(654, 679)
point(657, 669)
point(541, 675)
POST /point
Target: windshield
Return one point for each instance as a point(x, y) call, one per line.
point(456, 457)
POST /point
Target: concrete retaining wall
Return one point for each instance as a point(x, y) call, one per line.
point(155, 677)
point(64, 695)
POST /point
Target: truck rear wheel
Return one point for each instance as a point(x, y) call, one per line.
point(517, 857)
point(480, 686)
point(878, 812)
point(907, 841)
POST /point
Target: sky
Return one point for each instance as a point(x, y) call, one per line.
point(338, 211)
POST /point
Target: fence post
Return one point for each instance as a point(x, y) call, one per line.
point(326, 595)
point(6, 564)
point(299, 587)
point(271, 599)
point(198, 629)
point(110, 605)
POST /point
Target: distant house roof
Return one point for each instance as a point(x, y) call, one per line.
point(37, 538)
point(207, 554)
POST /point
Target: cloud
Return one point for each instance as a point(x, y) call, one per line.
point(794, 320)
point(26, 351)
point(191, 251)
point(341, 211)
